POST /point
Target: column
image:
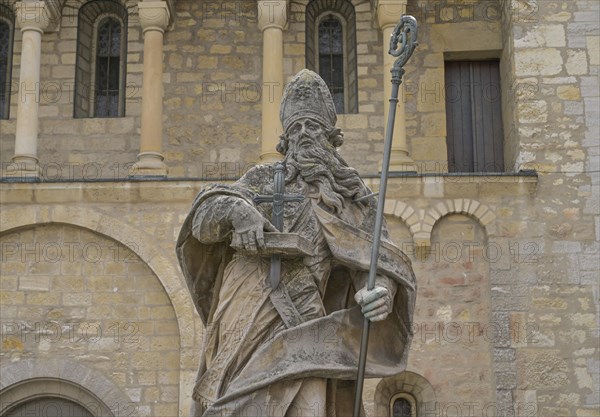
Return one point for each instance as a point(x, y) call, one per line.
point(154, 19)
point(32, 19)
point(272, 17)
point(388, 16)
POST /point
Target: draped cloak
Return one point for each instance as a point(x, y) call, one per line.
point(246, 346)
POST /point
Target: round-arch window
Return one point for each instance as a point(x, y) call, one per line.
point(49, 407)
point(108, 69)
point(402, 408)
point(331, 58)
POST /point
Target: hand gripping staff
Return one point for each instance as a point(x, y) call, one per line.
point(402, 44)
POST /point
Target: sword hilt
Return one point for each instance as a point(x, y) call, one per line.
point(279, 198)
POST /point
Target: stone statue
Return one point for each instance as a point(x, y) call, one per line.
point(283, 309)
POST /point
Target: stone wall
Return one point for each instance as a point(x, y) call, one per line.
point(469, 253)
point(97, 286)
point(213, 91)
point(499, 307)
point(66, 144)
point(72, 294)
point(453, 329)
point(553, 61)
point(523, 292)
point(214, 88)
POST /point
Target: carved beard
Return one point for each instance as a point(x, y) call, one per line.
point(320, 165)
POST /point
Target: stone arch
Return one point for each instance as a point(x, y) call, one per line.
point(400, 233)
point(29, 379)
point(422, 225)
point(400, 210)
point(140, 243)
point(472, 208)
point(404, 382)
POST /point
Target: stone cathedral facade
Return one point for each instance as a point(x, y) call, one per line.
point(114, 113)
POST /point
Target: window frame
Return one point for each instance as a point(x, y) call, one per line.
point(8, 17)
point(122, 55)
point(343, 23)
point(343, 10)
point(84, 101)
point(476, 115)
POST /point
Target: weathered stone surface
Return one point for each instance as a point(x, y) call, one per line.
point(541, 61)
point(542, 370)
point(533, 111)
point(543, 36)
point(82, 310)
point(577, 62)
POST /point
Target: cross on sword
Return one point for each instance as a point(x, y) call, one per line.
point(279, 198)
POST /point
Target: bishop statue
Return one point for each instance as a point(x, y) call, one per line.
point(277, 265)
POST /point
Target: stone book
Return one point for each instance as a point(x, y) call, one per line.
point(286, 245)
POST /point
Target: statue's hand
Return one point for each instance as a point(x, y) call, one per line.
point(376, 304)
point(248, 227)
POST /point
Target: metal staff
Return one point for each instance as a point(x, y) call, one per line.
point(402, 44)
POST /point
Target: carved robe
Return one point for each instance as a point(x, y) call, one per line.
point(248, 346)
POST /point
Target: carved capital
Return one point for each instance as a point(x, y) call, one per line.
point(33, 16)
point(272, 13)
point(154, 15)
point(389, 12)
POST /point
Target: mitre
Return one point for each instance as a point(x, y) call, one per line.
point(307, 97)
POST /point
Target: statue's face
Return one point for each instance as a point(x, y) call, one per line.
point(304, 133)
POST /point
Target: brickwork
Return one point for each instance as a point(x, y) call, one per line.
point(66, 141)
point(554, 72)
point(452, 315)
point(469, 259)
point(212, 87)
point(68, 293)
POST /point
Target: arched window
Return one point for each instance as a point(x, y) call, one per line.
point(101, 60)
point(403, 405)
point(331, 58)
point(404, 394)
point(331, 49)
point(108, 54)
point(7, 24)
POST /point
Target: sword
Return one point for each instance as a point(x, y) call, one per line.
point(404, 33)
point(279, 198)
